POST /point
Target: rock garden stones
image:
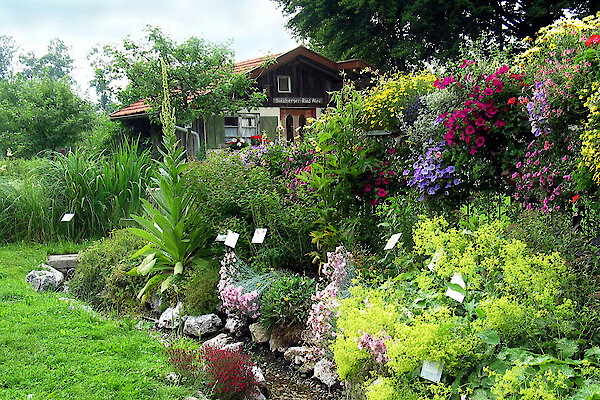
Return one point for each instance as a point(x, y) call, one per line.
point(198, 326)
point(259, 333)
point(45, 279)
point(325, 372)
point(169, 319)
point(236, 325)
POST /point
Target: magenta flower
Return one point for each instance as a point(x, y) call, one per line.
point(381, 192)
point(470, 130)
point(480, 141)
point(480, 121)
point(500, 123)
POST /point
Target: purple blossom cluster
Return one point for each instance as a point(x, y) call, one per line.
point(539, 110)
point(253, 155)
point(428, 173)
point(324, 308)
point(235, 301)
point(373, 344)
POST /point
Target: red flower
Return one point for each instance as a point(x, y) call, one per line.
point(594, 39)
point(512, 100)
point(574, 199)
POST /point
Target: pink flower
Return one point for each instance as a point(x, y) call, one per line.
point(470, 130)
point(381, 192)
point(500, 123)
point(480, 121)
point(480, 141)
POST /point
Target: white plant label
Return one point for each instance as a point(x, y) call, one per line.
point(434, 259)
point(392, 241)
point(221, 238)
point(231, 239)
point(259, 235)
point(432, 371)
point(67, 217)
point(458, 280)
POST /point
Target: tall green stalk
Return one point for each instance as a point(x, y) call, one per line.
point(176, 237)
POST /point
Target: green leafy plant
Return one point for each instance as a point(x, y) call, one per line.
point(287, 301)
point(177, 238)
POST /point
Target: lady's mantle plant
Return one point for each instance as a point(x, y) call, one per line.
point(176, 237)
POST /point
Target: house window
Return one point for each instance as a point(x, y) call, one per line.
point(284, 84)
point(241, 125)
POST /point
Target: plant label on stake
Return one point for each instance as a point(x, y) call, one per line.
point(454, 288)
point(432, 371)
point(392, 241)
point(259, 235)
point(434, 259)
point(67, 217)
point(231, 239)
point(221, 238)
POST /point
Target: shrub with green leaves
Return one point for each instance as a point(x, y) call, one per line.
point(513, 300)
point(200, 290)
point(287, 301)
point(101, 277)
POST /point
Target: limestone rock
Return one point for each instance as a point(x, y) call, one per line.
point(234, 346)
point(259, 333)
point(170, 319)
point(236, 325)
point(45, 279)
point(218, 342)
point(198, 326)
point(325, 372)
point(296, 355)
point(259, 377)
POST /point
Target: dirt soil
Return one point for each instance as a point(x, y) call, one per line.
point(286, 383)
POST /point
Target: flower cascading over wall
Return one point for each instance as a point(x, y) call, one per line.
point(486, 115)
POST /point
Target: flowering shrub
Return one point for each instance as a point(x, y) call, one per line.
point(240, 287)
point(394, 100)
point(545, 178)
point(487, 116)
point(512, 298)
point(429, 175)
point(324, 309)
point(229, 373)
point(238, 143)
point(185, 360)
point(256, 140)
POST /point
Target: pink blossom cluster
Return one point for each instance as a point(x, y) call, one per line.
point(373, 344)
point(235, 301)
point(476, 121)
point(544, 176)
point(324, 309)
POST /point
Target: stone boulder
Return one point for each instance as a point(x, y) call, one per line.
point(325, 372)
point(170, 319)
point(47, 278)
point(198, 326)
point(236, 325)
point(218, 342)
point(259, 333)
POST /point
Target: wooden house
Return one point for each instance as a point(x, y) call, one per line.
point(297, 85)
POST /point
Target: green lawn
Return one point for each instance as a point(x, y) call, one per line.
point(56, 352)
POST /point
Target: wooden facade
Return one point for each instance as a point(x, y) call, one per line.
point(297, 85)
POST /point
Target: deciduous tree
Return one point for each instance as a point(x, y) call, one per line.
point(397, 33)
point(200, 75)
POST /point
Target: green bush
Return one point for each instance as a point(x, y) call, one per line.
point(201, 295)
point(518, 311)
point(287, 301)
point(101, 277)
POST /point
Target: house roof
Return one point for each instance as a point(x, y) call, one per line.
point(257, 66)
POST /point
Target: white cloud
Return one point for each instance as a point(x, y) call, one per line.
point(254, 27)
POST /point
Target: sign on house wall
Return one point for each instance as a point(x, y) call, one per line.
point(297, 100)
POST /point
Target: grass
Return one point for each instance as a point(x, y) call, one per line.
point(55, 351)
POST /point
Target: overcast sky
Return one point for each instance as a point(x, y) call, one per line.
point(255, 27)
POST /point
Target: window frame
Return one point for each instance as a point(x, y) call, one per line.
point(289, 83)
